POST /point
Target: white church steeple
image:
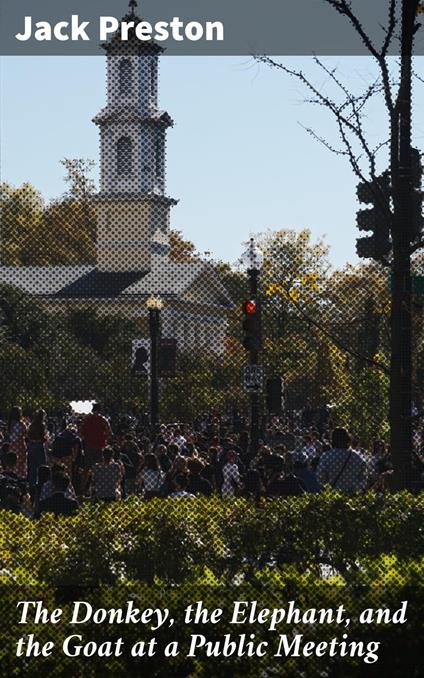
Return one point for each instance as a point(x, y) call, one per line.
point(132, 155)
point(132, 127)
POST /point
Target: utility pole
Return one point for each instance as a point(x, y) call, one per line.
point(401, 314)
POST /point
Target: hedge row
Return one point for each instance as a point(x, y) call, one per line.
point(172, 541)
point(318, 550)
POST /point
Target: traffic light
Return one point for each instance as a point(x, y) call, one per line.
point(252, 325)
point(167, 357)
point(275, 395)
point(417, 195)
point(376, 218)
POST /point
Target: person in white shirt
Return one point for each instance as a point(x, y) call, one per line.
point(342, 467)
point(231, 475)
point(179, 438)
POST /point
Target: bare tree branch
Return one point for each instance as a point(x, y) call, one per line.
point(321, 140)
point(350, 123)
point(355, 115)
point(380, 146)
point(418, 77)
point(344, 7)
point(390, 29)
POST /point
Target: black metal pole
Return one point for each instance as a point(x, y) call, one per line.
point(154, 321)
point(253, 360)
point(401, 315)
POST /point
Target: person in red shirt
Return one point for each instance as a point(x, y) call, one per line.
point(96, 434)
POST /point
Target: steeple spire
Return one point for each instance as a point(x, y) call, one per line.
point(132, 5)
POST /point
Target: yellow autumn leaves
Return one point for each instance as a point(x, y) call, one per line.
point(293, 292)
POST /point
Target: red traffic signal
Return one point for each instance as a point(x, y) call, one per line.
point(252, 325)
point(250, 307)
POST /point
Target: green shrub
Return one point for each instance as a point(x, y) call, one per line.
point(170, 541)
point(318, 550)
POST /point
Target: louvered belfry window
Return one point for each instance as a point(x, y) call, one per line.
point(124, 154)
point(125, 77)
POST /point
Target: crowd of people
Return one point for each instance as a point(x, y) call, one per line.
point(48, 466)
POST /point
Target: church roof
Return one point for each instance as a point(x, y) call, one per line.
point(196, 280)
point(70, 282)
point(97, 284)
point(41, 280)
point(166, 278)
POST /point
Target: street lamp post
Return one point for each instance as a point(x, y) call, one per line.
point(252, 260)
point(154, 305)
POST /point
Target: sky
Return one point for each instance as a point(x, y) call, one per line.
point(238, 158)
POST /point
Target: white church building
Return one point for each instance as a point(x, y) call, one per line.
point(133, 218)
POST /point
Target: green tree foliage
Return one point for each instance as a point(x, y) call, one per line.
point(48, 359)
point(62, 232)
point(325, 331)
point(203, 383)
point(21, 221)
point(35, 234)
point(180, 249)
point(318, 550)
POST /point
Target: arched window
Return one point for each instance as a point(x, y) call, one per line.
point(124, 152)
point(125, 77)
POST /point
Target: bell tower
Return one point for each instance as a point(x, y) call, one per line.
point(133, 211)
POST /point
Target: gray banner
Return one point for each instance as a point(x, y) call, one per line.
point(273, 27)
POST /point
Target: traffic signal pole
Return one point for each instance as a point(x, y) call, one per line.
point(401, 318)
point(253, 360)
